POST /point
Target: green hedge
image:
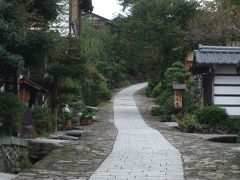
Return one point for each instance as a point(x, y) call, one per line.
point(44, 120)
point(11, 113)
point(233, 125)
point(212, 115)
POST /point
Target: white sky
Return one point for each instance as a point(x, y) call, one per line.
point(106, 8)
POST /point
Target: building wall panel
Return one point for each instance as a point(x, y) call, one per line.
point(225, 70)
point(228, 90)
point(227, 80)
point(233, 111)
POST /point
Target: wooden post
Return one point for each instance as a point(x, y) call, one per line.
point(74, 18)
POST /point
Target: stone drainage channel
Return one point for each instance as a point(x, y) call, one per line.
point(37, 149)
point(139, 152)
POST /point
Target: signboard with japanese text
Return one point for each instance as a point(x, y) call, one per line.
point(178, 99)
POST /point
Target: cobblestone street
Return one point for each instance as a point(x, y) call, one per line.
point(202, 159)
point(120, 90)
point(80, 159)
point(139, 152)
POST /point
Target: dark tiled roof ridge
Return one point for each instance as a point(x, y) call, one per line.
point(237, 51)
point(217, 55)
point(214, 48)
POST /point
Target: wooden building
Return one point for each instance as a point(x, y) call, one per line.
point(219, 67)
point(30, 93)
point(95, 20)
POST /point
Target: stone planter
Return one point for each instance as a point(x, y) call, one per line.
point(69, 124)
point(87, 121)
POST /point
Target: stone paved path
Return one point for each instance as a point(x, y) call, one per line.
point(139, 152)
point(203, 160)
point(5, 176)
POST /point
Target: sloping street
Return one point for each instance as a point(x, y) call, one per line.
point(139, 151)
point(120, 90)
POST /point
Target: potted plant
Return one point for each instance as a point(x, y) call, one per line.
point(87, 118)
point(68, 120)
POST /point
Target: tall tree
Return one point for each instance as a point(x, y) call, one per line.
point(16, 23)
point(13, 19)
point(216, 23)
point(152, 36)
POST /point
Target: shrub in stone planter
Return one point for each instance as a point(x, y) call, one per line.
point(87, 118)
point(11, 113)
point(68, 119)
point(211, 115)
point(187, 123)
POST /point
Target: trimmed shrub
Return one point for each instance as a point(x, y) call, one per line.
point(158, 111)
point(233, 125)
point(104, 93)
point(186, 121)
point(212, 115)
point(67, 116)
point(122, 83)
point(44, 120)
point(156, 90)
point(93, 93)
point(11, 113)
point(168, 106)
point(151, 84)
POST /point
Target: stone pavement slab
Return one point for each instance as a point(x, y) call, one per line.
point(6, 176)
point(139, 152)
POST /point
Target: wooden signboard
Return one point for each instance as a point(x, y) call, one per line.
point(178, 99)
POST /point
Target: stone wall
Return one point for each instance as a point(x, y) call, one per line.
point(13, 154)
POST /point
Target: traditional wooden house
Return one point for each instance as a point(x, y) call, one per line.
point(95, 20)
point(30, 93)
point(219, 67)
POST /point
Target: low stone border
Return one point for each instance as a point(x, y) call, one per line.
point(13, 154)
point(13, 141)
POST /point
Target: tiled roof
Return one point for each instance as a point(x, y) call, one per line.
point(31, 84)
point(217, 55)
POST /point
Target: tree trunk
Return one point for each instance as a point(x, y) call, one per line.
point(54, 97)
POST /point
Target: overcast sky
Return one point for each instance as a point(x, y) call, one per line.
point(106, 8)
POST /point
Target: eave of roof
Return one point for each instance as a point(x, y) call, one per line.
point(101, 17)
point(98, 16)
point(31, 84)
point(223, 55)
